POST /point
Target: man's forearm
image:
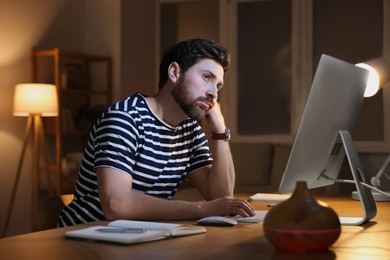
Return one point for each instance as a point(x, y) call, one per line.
point(222, 176)
point(140, 206)
point(137, 205)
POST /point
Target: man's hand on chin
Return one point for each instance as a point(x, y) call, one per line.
point(215, 119)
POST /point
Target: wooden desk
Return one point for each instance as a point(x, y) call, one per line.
point(244, 241)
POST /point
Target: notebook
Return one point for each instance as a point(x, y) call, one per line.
point(133, 232)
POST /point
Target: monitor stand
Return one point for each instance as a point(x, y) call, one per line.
point(364, 193)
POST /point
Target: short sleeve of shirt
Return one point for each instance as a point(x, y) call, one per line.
point(116, 141)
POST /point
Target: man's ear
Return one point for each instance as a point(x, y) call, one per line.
point(174, 71)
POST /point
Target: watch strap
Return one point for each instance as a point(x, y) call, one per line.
point(222, 136)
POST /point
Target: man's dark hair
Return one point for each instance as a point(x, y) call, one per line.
point(189, 52)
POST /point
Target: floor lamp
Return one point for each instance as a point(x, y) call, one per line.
point(379, 76)
point(35, 101)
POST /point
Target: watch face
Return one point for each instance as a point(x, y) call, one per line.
point(227, 131)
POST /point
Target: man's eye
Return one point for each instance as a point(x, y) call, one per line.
point(206, 77)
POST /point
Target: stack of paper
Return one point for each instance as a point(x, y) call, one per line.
point(269, 197)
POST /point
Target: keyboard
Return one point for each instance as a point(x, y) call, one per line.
point(258, 217)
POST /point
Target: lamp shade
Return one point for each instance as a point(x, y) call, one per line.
point(379, 69)
point(35, 98)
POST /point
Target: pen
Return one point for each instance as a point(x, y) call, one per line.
point(121, 230)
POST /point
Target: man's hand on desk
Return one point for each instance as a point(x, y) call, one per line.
point(227, 206)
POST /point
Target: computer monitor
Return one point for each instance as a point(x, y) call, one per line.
point(323, 138)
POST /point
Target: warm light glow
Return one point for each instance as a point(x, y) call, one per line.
point(35, 98)
point(379, 76)
point(373, 80)
point(21, 29)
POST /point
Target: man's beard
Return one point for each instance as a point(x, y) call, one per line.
point(181, 96)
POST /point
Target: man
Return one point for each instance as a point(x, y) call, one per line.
point(142, 148)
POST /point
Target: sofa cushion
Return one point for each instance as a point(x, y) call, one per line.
point(252, 163)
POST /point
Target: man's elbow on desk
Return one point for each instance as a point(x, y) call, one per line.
point(114, 208)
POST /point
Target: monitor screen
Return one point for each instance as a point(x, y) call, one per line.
point(333, 104)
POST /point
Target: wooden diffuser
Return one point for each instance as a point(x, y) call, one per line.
point(301, 224)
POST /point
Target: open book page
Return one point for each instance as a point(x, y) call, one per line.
point(170, 229)
point(95, 233)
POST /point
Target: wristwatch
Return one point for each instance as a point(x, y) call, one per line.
point(222, 136)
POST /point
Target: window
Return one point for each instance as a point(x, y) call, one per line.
point(271, 66)
point(264, 68)
point(275, 47)
point(354, 35)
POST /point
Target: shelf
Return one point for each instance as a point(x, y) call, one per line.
point(84, 90)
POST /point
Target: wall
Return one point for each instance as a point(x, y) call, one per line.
point(103, 35)
point(93, 28)
point(20, 30)
point(138, 52)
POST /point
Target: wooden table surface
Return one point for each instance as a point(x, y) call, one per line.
point(244, 241)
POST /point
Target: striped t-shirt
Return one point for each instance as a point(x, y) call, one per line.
point(131, 138)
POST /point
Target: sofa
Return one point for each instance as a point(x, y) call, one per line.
point(259, 168)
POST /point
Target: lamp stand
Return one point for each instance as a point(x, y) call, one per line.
point(34, 128)
point(375, 181)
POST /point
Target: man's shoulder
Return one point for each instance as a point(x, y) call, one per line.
point(132, 110)
point(131, 103)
